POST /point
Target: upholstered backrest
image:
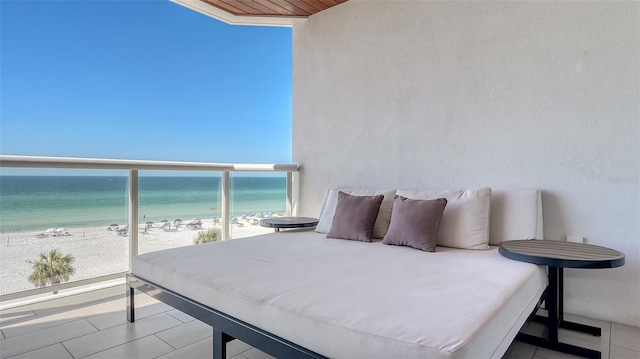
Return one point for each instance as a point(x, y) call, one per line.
point(515, 214)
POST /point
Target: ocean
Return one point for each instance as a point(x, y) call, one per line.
point(36, 203)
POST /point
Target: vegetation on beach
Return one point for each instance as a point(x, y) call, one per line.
point(51, 268)
point(208, 236)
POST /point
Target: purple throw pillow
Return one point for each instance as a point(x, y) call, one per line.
point(414, 223)
point(355, 217)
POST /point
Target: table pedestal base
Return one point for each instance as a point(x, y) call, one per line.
point(555, 305)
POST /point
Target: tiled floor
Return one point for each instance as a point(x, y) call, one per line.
point(93, 325)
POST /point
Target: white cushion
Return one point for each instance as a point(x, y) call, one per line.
point(465, 221)
point(515, 214)
point(331, 201)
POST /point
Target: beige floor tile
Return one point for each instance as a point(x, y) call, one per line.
point(62, 304)
point(536, 329)
point(52, 320)
point(185, 318)
point(623, 353)
point(186, 334)
point(521, 351)
point(604, 326)
point(121, 334)
point(201, 349)
point(15, 315)
point(144, 348)
point(254, 353)
point(579, 339)
point(143, 311)
point(79, 300)
point(550, 354)
point(584, 340)
point(115, 291)
point(118, 314)
point(56, 351)
point(109, 318)
point(236, 347)
point(45, 337)
point(144, 305)
point(204, 349)
point(625, 336)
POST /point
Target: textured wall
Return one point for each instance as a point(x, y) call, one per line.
point(437, 95)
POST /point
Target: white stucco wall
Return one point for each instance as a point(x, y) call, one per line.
point(420, 94)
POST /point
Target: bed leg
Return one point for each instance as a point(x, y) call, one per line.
point(130, 303)
point(220, 341)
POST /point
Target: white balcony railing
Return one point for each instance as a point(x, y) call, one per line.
point(133, 166)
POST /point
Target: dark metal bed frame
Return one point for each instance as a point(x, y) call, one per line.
point(225, 327)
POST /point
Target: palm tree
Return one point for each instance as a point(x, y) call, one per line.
point(51, 268)
point(212, 235)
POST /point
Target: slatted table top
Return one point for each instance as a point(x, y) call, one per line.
point(561, 254)
point(289, 222)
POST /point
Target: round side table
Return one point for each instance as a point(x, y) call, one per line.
point(556, 256)
point(289, 222)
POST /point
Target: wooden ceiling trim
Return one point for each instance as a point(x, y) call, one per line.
point(329, 3)
point(224, 6)
point(257, 7)
point(244, 8)
point(297, 6)
point(273, 6)
point(313, 3)
point(286, 8)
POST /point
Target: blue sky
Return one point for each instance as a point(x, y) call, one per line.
point(147, 80)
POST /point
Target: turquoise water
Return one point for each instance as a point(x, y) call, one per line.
point(35, 203)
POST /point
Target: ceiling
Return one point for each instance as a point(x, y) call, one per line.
point(288, 8)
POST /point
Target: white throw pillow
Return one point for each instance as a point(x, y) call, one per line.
point(515, 214)
point(328, 210)
point(466, 218)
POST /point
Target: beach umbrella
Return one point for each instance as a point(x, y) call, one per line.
point(177, 220)
point(50, 230)
point(113, 225)
point(195, 218)
point(148, 222)
point(165, 220)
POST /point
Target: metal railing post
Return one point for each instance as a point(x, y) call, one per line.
point(133, 216)
point(226, 195)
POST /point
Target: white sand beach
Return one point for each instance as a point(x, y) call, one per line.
point(97, 251)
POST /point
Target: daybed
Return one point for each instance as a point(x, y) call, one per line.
point(299, 294)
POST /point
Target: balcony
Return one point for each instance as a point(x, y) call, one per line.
point(87, 319)
point(125, 208)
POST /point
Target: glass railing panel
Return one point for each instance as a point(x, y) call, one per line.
point(58, 226)
point(83, 215)
point(174, 209)
point(255, 196)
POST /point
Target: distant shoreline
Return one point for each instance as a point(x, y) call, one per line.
point(33, 203)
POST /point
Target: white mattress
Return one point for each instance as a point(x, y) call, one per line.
point(348, 299)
